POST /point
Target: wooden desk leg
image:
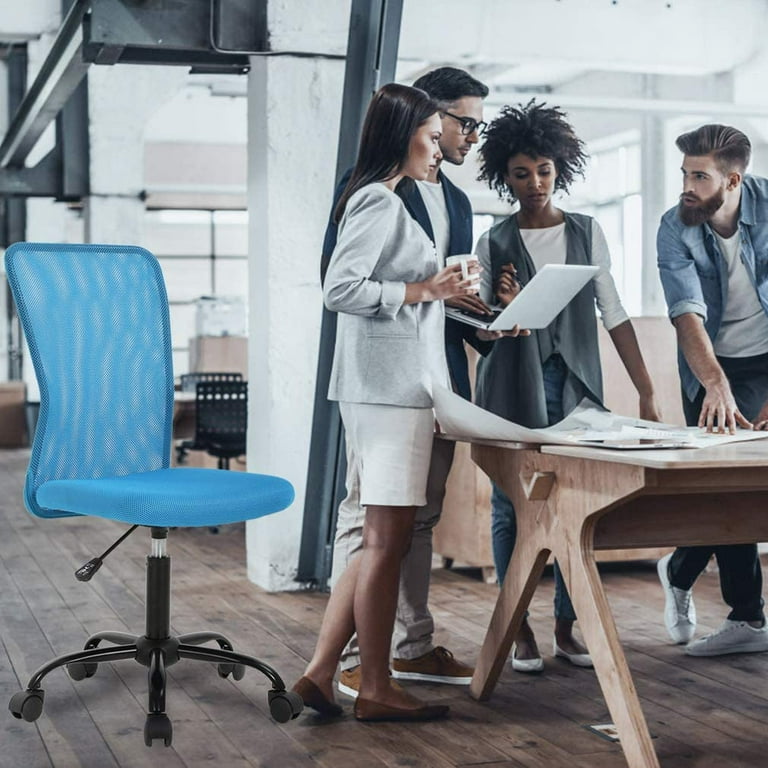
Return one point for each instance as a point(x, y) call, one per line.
point(581, 577)
point(520, 582)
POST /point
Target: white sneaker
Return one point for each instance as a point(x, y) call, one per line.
point(577, 659)
point(732, 637)
point(679, 609)
point(529, 666)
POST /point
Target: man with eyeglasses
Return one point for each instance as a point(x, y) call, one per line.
point(445, 214)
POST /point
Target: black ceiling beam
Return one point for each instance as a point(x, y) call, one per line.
point(159, 32)
point(43, 180)
point(59, 76)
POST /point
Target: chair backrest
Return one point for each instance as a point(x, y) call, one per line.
point(97, 324)
point(221, 415)
point(189, 381)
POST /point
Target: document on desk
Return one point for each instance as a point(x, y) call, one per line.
point(588, 424)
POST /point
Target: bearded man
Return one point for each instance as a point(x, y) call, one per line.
point(713, 262)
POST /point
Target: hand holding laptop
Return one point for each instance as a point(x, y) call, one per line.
point(471, 304)
point(536, 304)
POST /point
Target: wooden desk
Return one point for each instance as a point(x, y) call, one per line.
point(572, 501)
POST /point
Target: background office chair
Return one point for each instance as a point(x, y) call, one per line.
point(189, 382)
point(96, 319)
point(221, 416)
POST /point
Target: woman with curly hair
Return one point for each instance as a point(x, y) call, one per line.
point(529, 153)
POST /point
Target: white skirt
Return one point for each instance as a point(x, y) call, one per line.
point(392, 446)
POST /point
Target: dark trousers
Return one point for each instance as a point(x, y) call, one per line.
point(741, 579)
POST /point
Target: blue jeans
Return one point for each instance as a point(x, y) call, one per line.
point(741, 577)
point(503, 522)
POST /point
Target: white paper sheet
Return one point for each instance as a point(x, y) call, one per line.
point(586, 424)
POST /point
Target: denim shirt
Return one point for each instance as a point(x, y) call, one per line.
point(694, 274)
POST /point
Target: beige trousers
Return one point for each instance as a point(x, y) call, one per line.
point(414, 624)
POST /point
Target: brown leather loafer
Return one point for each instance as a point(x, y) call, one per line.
point(373, 711)
point(313, 697)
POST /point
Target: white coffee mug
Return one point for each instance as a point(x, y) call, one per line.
point(465, 259)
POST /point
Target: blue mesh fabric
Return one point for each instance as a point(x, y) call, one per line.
point(96, 320)
point(167, 497)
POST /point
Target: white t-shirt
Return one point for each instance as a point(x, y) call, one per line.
point(434, 199)
point(548, 246)
point(744, 326)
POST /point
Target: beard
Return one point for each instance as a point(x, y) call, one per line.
point(693, 215)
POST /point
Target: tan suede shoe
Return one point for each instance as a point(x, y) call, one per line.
point(373, 711)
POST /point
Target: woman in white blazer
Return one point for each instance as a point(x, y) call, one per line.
point(385, 282)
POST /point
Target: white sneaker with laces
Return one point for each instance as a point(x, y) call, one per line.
point(732, 637)
point(679, 609)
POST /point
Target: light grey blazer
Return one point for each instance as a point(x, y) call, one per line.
point(386, 352)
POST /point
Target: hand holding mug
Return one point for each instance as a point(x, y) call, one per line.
point(470, 269)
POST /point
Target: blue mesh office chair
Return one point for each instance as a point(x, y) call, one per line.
point(96, 319)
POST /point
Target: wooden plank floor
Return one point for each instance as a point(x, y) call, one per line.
point(706, 713)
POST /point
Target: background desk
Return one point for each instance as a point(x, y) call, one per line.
point(573, 501)
point(464, 531)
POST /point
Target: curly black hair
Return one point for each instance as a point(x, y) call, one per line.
point(535, 130)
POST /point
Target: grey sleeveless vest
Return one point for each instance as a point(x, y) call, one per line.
point(509, 380)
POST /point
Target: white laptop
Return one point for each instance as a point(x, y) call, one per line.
point(539, 302)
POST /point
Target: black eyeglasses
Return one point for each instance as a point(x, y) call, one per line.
point(469, 124)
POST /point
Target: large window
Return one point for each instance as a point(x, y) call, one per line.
point(611, 193)
point(202, 253)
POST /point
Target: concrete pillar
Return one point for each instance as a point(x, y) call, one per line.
point(749, 88)
point(653, 182)
point(294, 107)
point(121, 101)
point(653, 175)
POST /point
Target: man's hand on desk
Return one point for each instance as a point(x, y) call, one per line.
point(761, 422)
point(649, 408)
point(719, 412)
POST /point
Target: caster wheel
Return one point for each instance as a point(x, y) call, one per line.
point(236, 670)
point(79, 670)
point(285, 705)
point(27, 705)
point(158, 727)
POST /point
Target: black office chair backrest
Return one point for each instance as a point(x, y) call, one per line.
point(221, 409)
point(189, 381)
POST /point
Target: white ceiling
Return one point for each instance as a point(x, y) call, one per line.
point(540, 41)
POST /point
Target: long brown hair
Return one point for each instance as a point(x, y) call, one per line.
point(393, 117)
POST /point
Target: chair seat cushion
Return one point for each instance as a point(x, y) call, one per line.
point(171, 497)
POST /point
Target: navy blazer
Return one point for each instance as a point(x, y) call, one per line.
point(460, 241)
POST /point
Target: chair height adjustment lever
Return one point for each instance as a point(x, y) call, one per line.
point(86, 572)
